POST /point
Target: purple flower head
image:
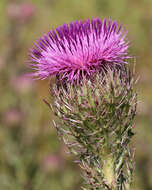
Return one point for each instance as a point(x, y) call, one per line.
point(82, 47)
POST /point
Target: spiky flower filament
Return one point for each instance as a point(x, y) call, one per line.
point(83, 46)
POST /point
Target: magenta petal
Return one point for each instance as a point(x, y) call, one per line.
point(81, 47)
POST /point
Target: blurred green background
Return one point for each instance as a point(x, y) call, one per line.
point(31, 156)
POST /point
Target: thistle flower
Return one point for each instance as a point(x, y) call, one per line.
point(80, 48)
point(96, 114)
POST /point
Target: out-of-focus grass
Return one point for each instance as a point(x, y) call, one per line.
point(31, 156)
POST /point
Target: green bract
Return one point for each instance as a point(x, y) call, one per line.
point(96, 120)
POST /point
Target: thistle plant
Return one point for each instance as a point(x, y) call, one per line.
point(94, 97)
